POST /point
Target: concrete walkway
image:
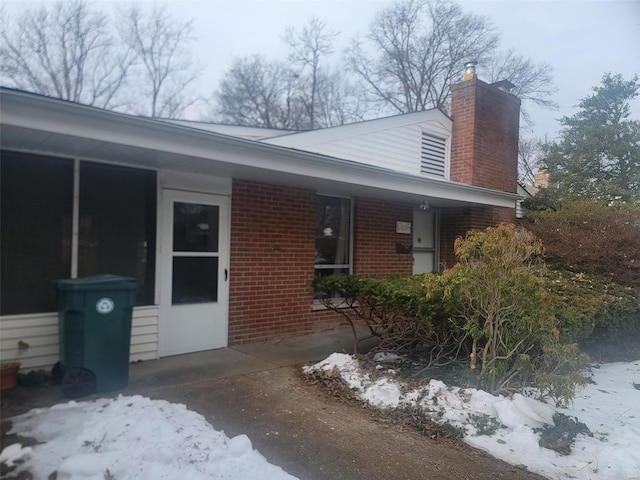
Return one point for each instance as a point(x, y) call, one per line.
point(195, 368)
point(237, 360)
point(257, 390)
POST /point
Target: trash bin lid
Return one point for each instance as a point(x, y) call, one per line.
point(96, 282)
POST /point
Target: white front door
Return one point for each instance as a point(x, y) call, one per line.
point(424, 242)
point(194, 272)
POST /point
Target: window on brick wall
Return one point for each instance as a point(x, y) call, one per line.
point(333, 235)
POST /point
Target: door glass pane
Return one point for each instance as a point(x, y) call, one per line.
point(195, 280)
point(195, 227)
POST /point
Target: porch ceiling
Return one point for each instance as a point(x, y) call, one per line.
point(32, 123)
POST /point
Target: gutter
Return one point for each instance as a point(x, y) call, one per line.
point(55, 116)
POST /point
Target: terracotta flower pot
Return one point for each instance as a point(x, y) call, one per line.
point(9, 375)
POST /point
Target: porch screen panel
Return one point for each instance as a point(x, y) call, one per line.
point(35, 243)
point(117, 224)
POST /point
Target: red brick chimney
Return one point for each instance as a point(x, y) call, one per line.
point(541, 179)
point(484, 152)
point(484, 144)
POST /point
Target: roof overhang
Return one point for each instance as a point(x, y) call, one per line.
point(37, 124)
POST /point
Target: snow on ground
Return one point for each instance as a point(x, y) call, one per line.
point(610, 407)
point(138, 438)
point(132, 438)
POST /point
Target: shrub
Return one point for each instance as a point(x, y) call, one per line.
point(498, 294)
point(500, 311)
point(394, 309)
point(590, 309)
point(588, 237)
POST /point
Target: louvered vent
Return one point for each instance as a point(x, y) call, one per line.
point(432, 158)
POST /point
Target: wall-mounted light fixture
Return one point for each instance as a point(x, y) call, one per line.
point(424, 206)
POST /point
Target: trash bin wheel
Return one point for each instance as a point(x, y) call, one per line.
point(78, 382)
point(57, 372)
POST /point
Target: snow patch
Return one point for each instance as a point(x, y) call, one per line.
point(132, 438)
point(610, 408)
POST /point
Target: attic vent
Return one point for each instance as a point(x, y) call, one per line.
point(432, 158)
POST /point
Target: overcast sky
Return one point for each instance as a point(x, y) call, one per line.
point(581, 39)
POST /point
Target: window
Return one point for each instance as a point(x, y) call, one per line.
point(116, 220)
point(195, 234)
point(433, 155)
point(333, 235)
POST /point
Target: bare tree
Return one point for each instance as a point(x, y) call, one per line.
point(300, 95)
point(308, 46)
point(529, 154)
point(339, 100)
point(161, 44)
point(416, 49)
point(65, 51)
point(533, 82)
point(257, 92)
point(261, 93)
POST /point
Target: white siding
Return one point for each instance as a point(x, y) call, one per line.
point(393, 143)
point(144, 334)
point(40, 331)
point(397, 149)
point(524, 192)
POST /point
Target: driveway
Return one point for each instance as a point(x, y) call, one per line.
point(257, 390)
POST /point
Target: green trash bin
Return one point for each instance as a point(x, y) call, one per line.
point(95, 333)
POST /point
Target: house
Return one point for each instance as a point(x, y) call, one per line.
point(223, 227)
point(525, 192)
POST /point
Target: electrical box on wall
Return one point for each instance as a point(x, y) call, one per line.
point(403, 227)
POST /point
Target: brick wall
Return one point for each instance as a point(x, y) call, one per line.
point(456, 223)
point(273, 250)
point(484, 144)
point(272, 255)
point(375, 238)
point(272, 258)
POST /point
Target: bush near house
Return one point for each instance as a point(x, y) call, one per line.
point(589, 237)
point(394, 309)
point(500, 309)
point(499, 298)
point(591, 309)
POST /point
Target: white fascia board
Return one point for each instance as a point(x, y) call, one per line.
point(193, 147)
